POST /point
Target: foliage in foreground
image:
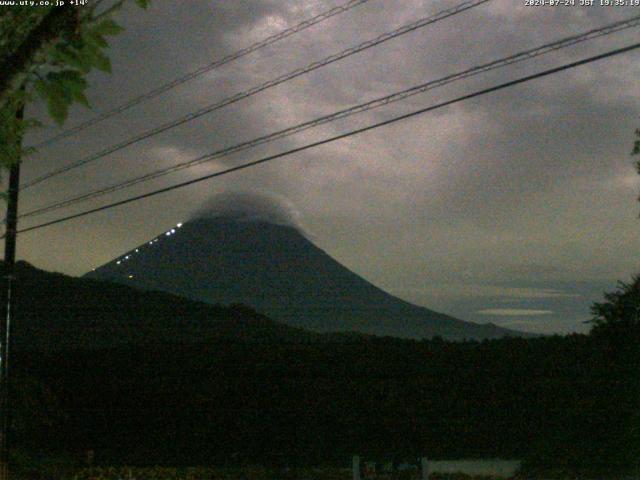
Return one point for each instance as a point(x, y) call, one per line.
point(46, 52)
point(619, 314)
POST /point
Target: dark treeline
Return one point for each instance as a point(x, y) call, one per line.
point(567, 402)
point(282, 395)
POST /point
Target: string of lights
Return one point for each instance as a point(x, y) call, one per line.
point(423, 22)
point(335, 138)
point(270, 40)
point(363, 107)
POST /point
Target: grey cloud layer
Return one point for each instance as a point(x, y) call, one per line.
point(531, 183)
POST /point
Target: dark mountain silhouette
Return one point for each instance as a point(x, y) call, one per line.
point(56, 312)
point(275, 269)
point(153, 378)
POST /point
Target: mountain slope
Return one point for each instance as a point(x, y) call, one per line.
point(56, 312)
point(278, 271)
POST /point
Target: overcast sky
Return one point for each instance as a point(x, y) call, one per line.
point(516, 208)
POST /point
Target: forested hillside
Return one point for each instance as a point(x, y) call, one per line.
point(146, 378)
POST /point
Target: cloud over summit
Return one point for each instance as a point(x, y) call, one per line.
point(251, 206)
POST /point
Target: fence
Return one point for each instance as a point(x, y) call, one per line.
point(425, 469)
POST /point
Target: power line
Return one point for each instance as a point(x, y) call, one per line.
point(478, 93)
point(264, 86)
point(270, 40)
point(379, 102)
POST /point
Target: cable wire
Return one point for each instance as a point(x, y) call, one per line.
point(264, 86)
point(270, 158)
point(379, 102)
point(270, 40)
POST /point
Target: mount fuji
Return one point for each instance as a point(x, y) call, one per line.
point(268, 263)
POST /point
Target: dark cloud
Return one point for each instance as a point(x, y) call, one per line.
point(251, 206)
point(531, 184)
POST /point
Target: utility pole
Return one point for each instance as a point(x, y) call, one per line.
point(5, 331)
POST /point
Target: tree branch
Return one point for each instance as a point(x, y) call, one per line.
point(113, 8)
point(57, 22)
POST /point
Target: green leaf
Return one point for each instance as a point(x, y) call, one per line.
point(70, 79)
point(72, 57)
point(58, 108)
point(96, 39)
point(143, 3)
point(101, 61)
point(57, 89)
point(81, 98)
point(73, 84)
point(42, 89)
point(85, 60)
point(108, 27)
point(95, 57)
point(58, 100)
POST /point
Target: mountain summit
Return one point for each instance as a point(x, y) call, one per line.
point(274, 268)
